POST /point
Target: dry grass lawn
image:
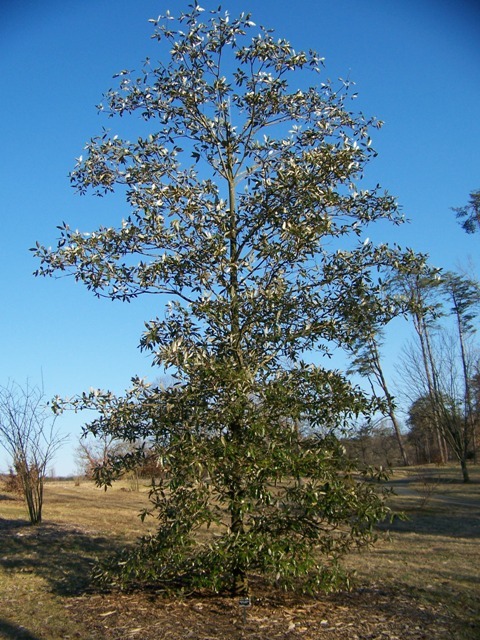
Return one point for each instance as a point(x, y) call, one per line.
point(420, 581)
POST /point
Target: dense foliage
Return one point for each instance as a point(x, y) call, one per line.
point(247, 216)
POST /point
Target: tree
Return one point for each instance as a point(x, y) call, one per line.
point(422, 423)
point(95, 452)
point(442, 367)
point(375, 443)
point(421, 291)
point(246, 216)
point(447, 414)
point(470, 213)
point(367, 362)
point(29, 436)
point(475, 389)
point(464, 296)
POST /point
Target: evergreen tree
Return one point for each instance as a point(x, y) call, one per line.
point(246, 216)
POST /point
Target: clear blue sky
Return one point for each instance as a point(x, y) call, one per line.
point(415, 64)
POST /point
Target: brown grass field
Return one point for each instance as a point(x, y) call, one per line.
point(421, 580)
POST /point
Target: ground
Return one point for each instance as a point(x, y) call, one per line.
point(363, 613)
point(420, 581)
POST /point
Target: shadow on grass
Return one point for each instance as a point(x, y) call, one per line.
point(5, 496)
point(14, 632)
point(432, 478)
point(62, 555)
point(437, 517)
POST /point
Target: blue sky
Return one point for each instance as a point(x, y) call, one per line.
point(415, 64)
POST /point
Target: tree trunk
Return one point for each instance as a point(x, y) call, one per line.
point(391, 407)
point(32, 485)
point(465, 474)
point(442, 445)
point(432, 382)
point(237, 525)
point(469, 413)
point(239, 574)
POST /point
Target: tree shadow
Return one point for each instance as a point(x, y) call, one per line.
point(438, 517)
point(5, 496)
point(430, 477)
point(61, 554)
point(14, 632)
point(431, 509)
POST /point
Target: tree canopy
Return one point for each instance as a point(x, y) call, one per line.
point(248, 216)
point(469, 214)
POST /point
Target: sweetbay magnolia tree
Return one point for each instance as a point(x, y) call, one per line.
point(245, 218)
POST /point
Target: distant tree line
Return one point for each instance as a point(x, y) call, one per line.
point(440, 373)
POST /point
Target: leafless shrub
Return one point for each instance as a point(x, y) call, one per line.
point(29, 436)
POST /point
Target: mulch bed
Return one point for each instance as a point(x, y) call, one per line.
point(369, 613)
point(372, 612)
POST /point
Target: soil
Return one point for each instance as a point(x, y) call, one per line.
point(365, 613)
point(60, 553)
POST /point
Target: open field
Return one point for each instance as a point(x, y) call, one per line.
point(422, 579)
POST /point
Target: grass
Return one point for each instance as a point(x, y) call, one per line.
point(419, 581)
point(434, 553)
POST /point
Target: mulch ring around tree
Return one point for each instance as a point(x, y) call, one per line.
point(367, 613)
